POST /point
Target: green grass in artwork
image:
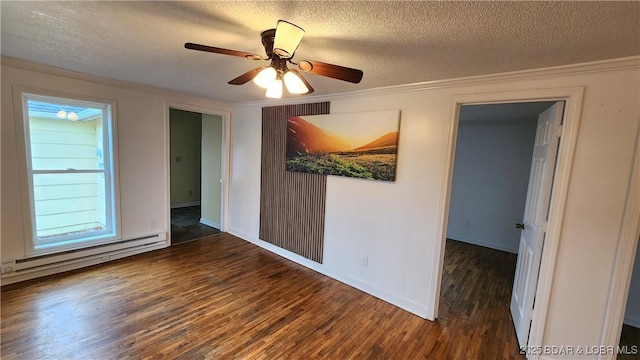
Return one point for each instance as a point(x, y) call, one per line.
point(359, 165)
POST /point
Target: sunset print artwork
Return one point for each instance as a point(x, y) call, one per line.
point(361, 145)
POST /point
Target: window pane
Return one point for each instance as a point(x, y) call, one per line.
point(69, 205)
point(70, 144)
point(64, 136)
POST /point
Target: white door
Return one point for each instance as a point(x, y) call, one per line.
point(534, 224)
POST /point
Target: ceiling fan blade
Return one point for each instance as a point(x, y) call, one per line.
point(246, 77)
point(218, 50)
point(333, 71)
point(306, 83)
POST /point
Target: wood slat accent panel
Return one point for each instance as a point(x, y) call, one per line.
point(291, 203)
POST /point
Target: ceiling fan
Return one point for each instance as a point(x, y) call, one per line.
point(280, 45)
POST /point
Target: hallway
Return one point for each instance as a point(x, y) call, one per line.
point(186, 226)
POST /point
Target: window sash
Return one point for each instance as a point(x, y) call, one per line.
point(71, 171)
point(74, 241)
point(50, 240)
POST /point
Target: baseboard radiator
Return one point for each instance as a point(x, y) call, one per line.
point(30, 268)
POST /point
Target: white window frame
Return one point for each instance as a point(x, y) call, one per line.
point(112, 233)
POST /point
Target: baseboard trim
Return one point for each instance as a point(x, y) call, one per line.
point(181, 205)
point(632, 320)
point(210, 223)
point(486, 244)
point(405, 304)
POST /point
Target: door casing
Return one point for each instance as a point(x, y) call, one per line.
point(225, 163)
point(573, 98)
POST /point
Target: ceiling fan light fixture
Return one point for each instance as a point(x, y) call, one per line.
point(294, 84)
point(287, 39)
point(274, 91)
point(266, 77)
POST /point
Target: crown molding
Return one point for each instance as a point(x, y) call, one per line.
point(57, 71)
point(632, 62)
point(626, 63)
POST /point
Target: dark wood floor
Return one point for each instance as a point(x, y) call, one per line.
point(630, 342)
point(223, 298)
point(474, 303)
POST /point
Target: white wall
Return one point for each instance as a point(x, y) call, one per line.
point(490, 179)
point(396, 224)
point(632, 314)
point(141, 144)
point(211, 170)
point(186, 153)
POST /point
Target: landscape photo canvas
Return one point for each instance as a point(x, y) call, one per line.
point(361, 145)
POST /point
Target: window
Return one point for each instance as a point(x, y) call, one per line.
point(69, 148)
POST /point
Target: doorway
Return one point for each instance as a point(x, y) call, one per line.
point(493, 157)
point(573, 103)
point(195, 174)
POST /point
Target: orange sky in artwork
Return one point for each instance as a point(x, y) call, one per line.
point(357, 129)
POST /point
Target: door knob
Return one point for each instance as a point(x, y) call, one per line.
point(520, 226)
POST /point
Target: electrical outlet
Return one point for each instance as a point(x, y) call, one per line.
point(364, 261)
point(178, 158)
point(152, 225)
point(467, 224)
point(190, 192)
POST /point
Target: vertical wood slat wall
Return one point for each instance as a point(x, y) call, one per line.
point(291, 203)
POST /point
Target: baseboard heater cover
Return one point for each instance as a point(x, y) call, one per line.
point(101, 253)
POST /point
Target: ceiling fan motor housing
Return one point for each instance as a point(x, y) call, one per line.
point(279, 64)
point(268, 37)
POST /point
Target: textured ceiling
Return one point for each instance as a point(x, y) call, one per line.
point(392, 42)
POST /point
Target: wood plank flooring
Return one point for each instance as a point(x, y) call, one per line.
point(224, 298)
point(475, 297)
point(630, 341)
